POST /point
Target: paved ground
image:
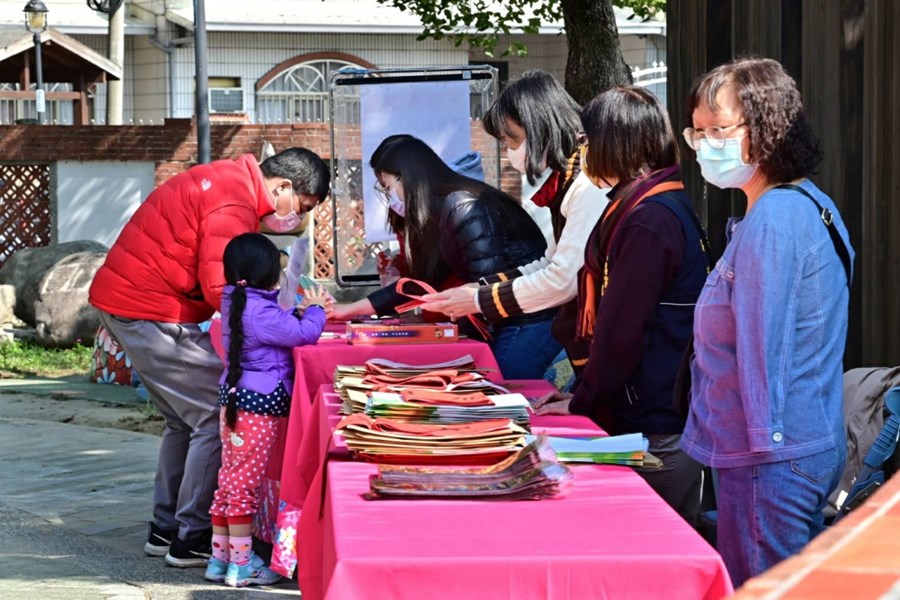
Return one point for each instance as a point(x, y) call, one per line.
point(74, 501)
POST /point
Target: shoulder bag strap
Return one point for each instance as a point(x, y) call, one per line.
point(828, 220)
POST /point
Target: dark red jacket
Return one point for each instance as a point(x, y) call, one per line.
point(166, 264)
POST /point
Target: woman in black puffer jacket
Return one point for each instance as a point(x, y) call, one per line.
point(455, 230)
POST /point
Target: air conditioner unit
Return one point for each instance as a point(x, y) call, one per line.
point(226, 99)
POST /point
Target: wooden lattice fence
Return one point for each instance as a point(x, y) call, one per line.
point(352, 229)
point(24, 208)
point(352, 248)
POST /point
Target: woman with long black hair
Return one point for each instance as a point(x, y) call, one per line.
point(455, 230)
point(540, 125)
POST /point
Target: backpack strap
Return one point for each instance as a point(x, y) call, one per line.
point(828, 220)
point(682, 208)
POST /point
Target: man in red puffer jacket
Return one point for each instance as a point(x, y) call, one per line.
point(161, 278)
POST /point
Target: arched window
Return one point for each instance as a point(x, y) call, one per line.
point(299, 92)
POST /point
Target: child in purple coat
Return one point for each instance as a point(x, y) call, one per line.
point(254, 391)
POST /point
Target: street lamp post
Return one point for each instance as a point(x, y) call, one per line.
point(204, 151)
point(36, 22)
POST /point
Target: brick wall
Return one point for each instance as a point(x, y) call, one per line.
point(172, 146)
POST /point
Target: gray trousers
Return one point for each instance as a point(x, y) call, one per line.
point(180, 369)
point(679, 482)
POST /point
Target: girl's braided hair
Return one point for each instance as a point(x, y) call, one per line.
point(250, 260)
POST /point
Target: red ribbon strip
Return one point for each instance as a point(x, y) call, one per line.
point(416, 301)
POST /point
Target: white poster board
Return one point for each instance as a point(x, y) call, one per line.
point(437, 112)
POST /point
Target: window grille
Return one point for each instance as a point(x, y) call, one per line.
point(299, 94)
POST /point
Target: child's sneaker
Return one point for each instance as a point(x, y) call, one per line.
point(215, 570)
point(254, 572)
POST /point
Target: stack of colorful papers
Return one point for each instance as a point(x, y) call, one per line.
point(464, 363)
point(629, 449)
point(532, 473)
point(430, 406)
point(390, 441)
point(453, 378)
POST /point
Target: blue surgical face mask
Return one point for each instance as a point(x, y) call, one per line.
point(396, 204)
point(724, 167)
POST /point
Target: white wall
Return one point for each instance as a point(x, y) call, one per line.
point(99, 44)
point(149, 78)
point(249, 56)
point(95, 199)
point(545, 52)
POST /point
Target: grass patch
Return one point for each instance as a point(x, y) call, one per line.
point(27, 359)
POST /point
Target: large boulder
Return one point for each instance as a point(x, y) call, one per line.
point(26, 269)
point(7, 304)
point(52, 290)
point(62, 314)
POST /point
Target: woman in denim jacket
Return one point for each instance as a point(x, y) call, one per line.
point(771, 323)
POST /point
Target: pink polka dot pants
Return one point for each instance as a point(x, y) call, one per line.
point(245, 456)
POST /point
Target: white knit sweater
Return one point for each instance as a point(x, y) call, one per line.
point(553, 280)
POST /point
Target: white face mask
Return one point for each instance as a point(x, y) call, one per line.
point(724, 167)
point(396, 204)
point(283, 224)
point(517, 157)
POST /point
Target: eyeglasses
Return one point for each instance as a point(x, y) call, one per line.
point(384, 191)
point(307, 203)
point(716, 136)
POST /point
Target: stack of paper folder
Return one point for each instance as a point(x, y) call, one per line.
point(390, 441)
point(532, 473)
point(629, 449)
point(430, 406)
point(452, 378)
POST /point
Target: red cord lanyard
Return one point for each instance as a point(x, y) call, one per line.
point(416, 301)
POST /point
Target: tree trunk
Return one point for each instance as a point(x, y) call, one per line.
point(595, 61)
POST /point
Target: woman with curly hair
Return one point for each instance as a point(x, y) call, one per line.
point(771, 323)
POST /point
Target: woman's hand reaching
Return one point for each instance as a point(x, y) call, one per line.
point(554, 403)
point(456, 302)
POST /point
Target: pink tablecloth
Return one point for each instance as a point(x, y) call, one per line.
point(295, 461)
point(610, 537)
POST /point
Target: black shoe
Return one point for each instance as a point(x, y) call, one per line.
point(158, 540)
point(193, 552)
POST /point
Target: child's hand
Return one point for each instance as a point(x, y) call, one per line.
point(317, 295)
point(340, 312)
